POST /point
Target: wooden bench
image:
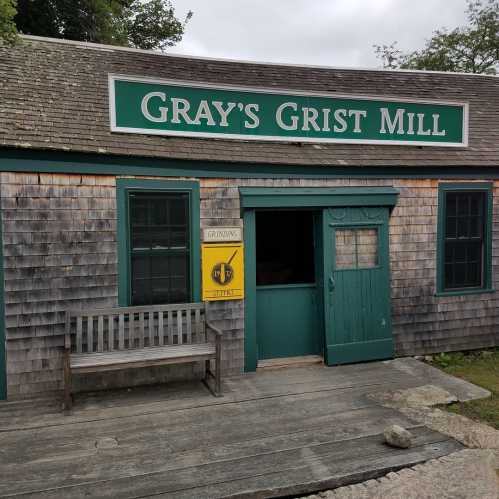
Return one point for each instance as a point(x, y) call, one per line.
point(121, 338)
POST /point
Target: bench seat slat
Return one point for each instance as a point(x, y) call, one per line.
point(140, 355)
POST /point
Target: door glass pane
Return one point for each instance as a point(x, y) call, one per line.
point(356, 248)
point(367, 248)
point(345, 249)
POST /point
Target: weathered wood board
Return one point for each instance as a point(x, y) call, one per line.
point(295, 431)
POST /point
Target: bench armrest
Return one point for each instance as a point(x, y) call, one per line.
point(213, 328)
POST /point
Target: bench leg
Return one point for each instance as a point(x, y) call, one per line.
point(216, 390)
point(218, 377)
point(68, 400)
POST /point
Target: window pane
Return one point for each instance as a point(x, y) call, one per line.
point(141, 292)
point(476, 227)
point(141, 239)
point(138, 211)
point(451, 227)
point(476, 206)
point(462, 204)
point(140, 266)
point(160, 266)
point(462, 227)
point(159, 211)
point(178, 210)
point(178, 264)
point(159, 237)
point(160, 289)
point(178, 237)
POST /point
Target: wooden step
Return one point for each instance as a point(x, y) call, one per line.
point(305, 360)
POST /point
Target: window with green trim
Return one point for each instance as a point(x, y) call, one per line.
point(464, 237)
point(158, 241)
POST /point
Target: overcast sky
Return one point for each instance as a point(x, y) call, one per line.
point(323, 32)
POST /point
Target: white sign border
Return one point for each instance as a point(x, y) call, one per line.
point(275, 138)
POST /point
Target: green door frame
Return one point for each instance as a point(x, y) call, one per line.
point(253, 198)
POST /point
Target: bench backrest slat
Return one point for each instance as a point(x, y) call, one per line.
point(131, 330)
point(179, 327)
point(79, 335)
point(151, 320)
point(170, 327)
point(100, 333)
point(142, 329)
point(188, 329)
point(101, 330)
point(121, 342)
point(161, 334)
point(110, 332)
point(90, 334)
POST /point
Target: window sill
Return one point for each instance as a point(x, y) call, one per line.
point(460, 292)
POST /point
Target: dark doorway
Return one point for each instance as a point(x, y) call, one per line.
point(284, 247)
point(288, 315)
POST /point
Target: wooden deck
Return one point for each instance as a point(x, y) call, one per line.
point(274, 433)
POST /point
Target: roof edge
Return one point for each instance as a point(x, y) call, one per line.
point(100, 46)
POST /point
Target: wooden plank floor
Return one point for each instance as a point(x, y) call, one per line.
point(274, 433)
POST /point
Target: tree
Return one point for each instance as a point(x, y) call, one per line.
point(146, 24)
point(470, 49)
point(8, 32)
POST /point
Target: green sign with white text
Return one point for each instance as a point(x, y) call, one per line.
point(161, 107)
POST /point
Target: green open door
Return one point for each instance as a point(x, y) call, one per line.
point(357, 284)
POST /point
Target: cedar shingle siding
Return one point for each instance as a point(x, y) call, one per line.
point(59, 230)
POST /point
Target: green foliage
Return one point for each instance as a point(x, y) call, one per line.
point(8, 31)
point(442, 360)
point(470, 49)
point(146, 24)
point(480, 368)
point(154, 25)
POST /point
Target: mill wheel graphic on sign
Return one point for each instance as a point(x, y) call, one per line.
point(223, 272)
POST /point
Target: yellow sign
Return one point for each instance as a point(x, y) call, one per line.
point(223, 271)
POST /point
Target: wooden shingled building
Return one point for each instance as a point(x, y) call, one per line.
point(340, 214)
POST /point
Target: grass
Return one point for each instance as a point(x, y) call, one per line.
point(480, 368)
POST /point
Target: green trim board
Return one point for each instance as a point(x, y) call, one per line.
point(126, 186)
point(314, 197)
point(3, 357)
point(44, 161)
point(444, 188)
point(250, 341)
point(142, 105)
